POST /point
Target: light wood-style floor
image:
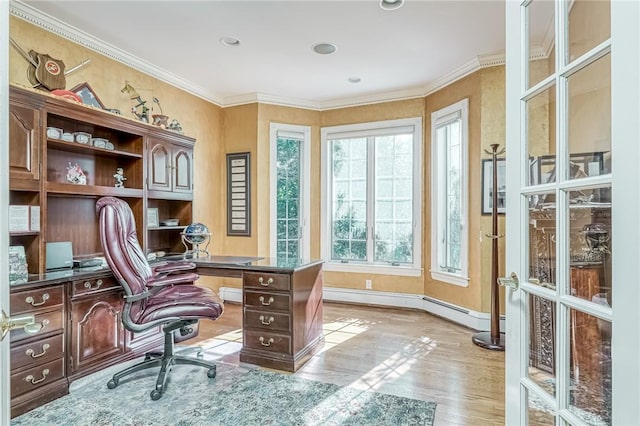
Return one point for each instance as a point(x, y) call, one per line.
point(402, 352)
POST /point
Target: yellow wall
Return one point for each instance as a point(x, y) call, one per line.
point(246, 128)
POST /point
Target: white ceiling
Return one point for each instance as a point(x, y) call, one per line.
point(393, 52)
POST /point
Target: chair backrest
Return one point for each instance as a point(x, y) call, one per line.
point(120, 244)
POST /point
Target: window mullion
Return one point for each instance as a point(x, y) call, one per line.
point(371, 191)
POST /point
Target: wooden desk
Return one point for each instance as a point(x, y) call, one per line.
point(282, 307)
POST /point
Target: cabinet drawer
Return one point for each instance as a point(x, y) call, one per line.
point(266, 281)
point(38, 298)
point(38, 352)
point(81, 287)
point(267, 320)
point(264, 340)
point(264, 300)
point(50, 321)
point(36, 377)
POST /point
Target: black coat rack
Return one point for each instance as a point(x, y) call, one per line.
point(493, 340)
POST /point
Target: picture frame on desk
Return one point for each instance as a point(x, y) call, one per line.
point(153, 220)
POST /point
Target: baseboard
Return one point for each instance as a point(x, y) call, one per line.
point(472, 319)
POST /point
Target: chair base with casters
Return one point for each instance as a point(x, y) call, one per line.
point(165, 360)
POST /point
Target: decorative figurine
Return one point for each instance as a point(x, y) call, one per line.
point(175, 126)
point(143, 115)
point(76, 175)
point(160, 120)
point(119, 177)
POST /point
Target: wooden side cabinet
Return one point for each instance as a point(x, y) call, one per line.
point(38, 373)
point(282, 317)
point(96, 331)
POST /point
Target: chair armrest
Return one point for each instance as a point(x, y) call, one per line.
point(170, 267)
point(187, 278)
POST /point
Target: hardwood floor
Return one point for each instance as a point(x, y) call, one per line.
point(396, 351)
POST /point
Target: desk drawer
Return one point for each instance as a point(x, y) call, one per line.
point(267, 341)
point(267, 281)
point(37, 298)
point(36, 377)
point(264, 300)
point(37, 352)
point(80, 287)
point(267, 320)
point(50, 321)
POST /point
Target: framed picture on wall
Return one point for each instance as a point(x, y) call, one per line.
point(239, 194)
point(487, 186)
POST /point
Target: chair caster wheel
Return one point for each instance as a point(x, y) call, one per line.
point(112, 384)
point(156, 394)
point(211, 373)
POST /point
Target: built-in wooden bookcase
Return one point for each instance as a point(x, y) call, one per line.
point(38, 175)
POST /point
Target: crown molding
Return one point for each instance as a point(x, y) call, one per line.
point(62, 29)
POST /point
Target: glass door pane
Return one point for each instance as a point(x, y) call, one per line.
point(288, 198)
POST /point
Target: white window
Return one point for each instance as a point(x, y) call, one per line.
point(371, 212)
point(290, 184)
point(449, 194)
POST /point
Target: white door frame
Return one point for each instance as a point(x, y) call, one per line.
point(305, 187)
point(625, 148)
point(5, 393)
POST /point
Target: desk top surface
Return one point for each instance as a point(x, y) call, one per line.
point(242, 263)
point(254, 263)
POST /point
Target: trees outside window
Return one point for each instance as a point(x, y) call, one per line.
point(372, 194)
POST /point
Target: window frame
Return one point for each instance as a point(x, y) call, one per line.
point(305, 186)
point(458, 110)
point(371, 129)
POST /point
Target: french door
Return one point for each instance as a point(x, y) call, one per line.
point(290, 189)
point(572, 207)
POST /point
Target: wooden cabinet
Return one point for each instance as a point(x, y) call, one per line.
point(38, 370)
point(24, 144)
point(81, 320)
point(282, 317)
point(170, 166)
point(96, 331)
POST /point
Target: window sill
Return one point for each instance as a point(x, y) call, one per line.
point(407, 271)
point(450, 278)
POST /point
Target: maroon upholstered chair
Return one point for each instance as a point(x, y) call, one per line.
point(164, 295)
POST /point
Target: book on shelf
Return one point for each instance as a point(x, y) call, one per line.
point(18, 218)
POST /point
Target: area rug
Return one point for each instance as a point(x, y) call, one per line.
point(237, 396)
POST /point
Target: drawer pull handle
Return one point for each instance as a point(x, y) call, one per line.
point(267, 303)
point(268, 321)
point(31, 353)
point(269, 342)
point(44, 323)
point(89, 286)
point(32, 302)
point(32, 379)
point(267, 284)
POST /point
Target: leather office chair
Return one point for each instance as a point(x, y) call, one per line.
point(164, 295)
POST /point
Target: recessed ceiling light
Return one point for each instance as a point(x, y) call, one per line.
point(230, 41)
point(324, 48)
point(353, 79)
point(391, 4)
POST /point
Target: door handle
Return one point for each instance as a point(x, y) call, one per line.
point(27, 322)
point(512, 281)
